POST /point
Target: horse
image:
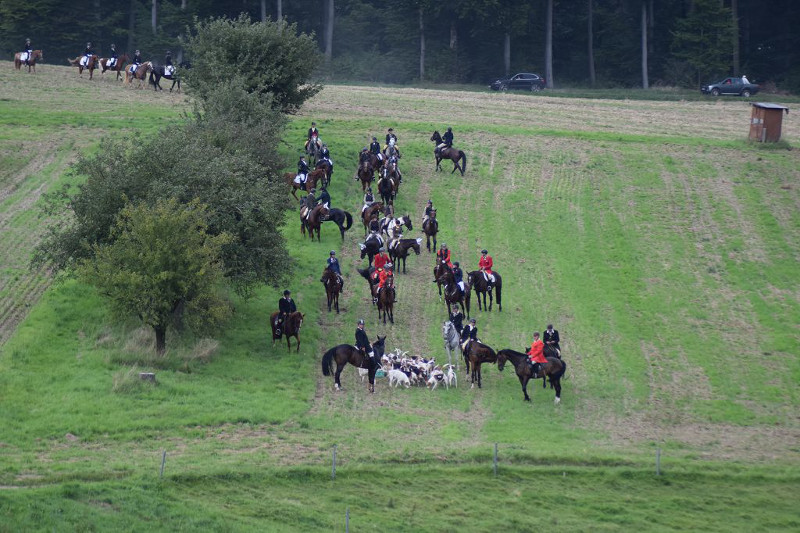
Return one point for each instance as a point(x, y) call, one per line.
point(386, 298)
point(452, 340)
point(475, 355)
point(333, 286)
point(339, 216)
point(551, 351)
point(312, 149)
point(448, 153)
point(401, 249)
point(311, 181)
point(118, 66)
point(346, 353)
point(481, 286)
point(390, 167)
point(366, 215)
point(325, 165)
point(387, 187)
point(366, 174)
point(314, 221)
point(442, 274)
point(91, 64)
point(370, 247)
point(366, 273)
point(553, 369)
point(139, 74)
point(291, 328)
point(35, 56)
point(158, 72)
point(453, 295)
point(430, 228)
point(390, 225)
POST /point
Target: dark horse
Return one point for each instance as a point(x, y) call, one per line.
point(366, 273)
point(386, 297)
point(35, 56)
point(430, 228)
point(366, 174)
point(346, 353)
point(448, 153)
point(339, 216)
point(366, 215)
point(452, 292)
point(92, 64)
point(314, 221)
point(387, 187)
point(553, 369)
point(118, 66)
point(291, 328)
point(401, 251)
point(370, 248)
point(475, 355)
point(158, 72)
point(333, 286)
point(482, 287)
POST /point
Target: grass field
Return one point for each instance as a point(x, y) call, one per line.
point(661, 244)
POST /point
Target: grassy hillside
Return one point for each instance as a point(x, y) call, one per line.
point(664, 253)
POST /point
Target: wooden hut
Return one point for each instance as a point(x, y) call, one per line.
point(765, 122)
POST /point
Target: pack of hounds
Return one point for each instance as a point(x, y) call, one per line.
point(402, 370)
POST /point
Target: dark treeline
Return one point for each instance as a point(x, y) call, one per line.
point(572, 42)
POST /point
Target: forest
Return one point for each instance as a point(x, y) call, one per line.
point(583, 43)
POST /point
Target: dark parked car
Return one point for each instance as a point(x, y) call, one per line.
point(737, 86)
point(524, 81)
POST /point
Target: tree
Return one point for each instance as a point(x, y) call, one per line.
point(328, 34)
point(548, 45)
point(590, 39)
point(268, 57)
point(162, 264)
point(645, 79)
point(703, 40)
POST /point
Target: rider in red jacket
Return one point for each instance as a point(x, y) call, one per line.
point(485, 264)
point(444, 255)
point(536, 353)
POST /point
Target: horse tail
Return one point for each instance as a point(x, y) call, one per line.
point(327, 362)
point(463, 156)
point(560, 372)
point(499, 288)
point(349, 220)
point(152, 79)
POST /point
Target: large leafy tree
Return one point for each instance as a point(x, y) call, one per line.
point(161, 264)
point(261, 57)
point(703, 40)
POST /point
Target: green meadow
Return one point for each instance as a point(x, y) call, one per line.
point(659, 241)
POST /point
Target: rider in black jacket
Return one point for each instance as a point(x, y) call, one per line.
point(285, 307)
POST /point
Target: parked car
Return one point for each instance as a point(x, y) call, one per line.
point(735, 85)
point(524, 81)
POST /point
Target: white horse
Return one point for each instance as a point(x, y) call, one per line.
point(452, 340)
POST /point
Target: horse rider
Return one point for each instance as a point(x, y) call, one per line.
point(112, 61)
point(380, 261)
point(325, 155)
point(457, 318)
point(392, 160)
point(169, 69)
point(385, 278)
point(469, 334)
point(136, 61)
point(302, 170)
point(443, 255)
point(313, 135)
point(87, 54)
point(536, 353)
point(375, 148)
point(427, 214)
point(551, 338)
point(362, 341)
point(390, 136)
point(324, 198)
point(374, 224)
point(485, 264)
point(369, 199)
point(447, 140)
point(458, 276)
point(285, 307)
point(28, 50)
point(333, 266)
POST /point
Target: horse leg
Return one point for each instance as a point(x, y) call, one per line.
point(297, 338)
point(524, 383)
point(558, 391)
point(336, 300)
point(288, 338)
point(490, 299)
point(479, 374)
point(337, 383)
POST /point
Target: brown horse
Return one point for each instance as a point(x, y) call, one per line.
point(430, 228)
point(387, 187)
point(386, 297)
point(482, 287)
point(92, 64)
point(140, 73)
point(442, 273)
point(314, 221)
point(475, 355)
point(366, 174)
point(346, 353)
point(453, 295)
point(448, 153)
point(366, 215)
point(36, 55)
point(118, 66)
point(291, 328)
point(553, 369)
point(311, 181)
point(333, 287)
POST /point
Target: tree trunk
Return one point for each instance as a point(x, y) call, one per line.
point(263, 10)
point(453, 35)
point(279, 8)
point(329, 35)
point(421, 45)
point(131, 25)
point(161, 339)
point(548, 45)
point(507, 53)
point(154, 16)
point(645, 80)
point(592, 75)
point(735, 16)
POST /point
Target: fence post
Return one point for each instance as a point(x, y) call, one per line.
point(495, 459)
point(163, 462)
point(333, 466)
point(658, 461)
point(347, 520)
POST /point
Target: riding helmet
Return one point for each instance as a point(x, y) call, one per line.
point(360, 321)
point(88, 45)
point(472, 321)
point(484, 252)
point(287, 292)
point(137, 52)
point(333, 252)
point(374, 138)
point(455, 263)
point(443, 246)
point(381, 249)
point(169, 53)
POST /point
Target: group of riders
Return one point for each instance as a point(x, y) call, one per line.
point(88, 52)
